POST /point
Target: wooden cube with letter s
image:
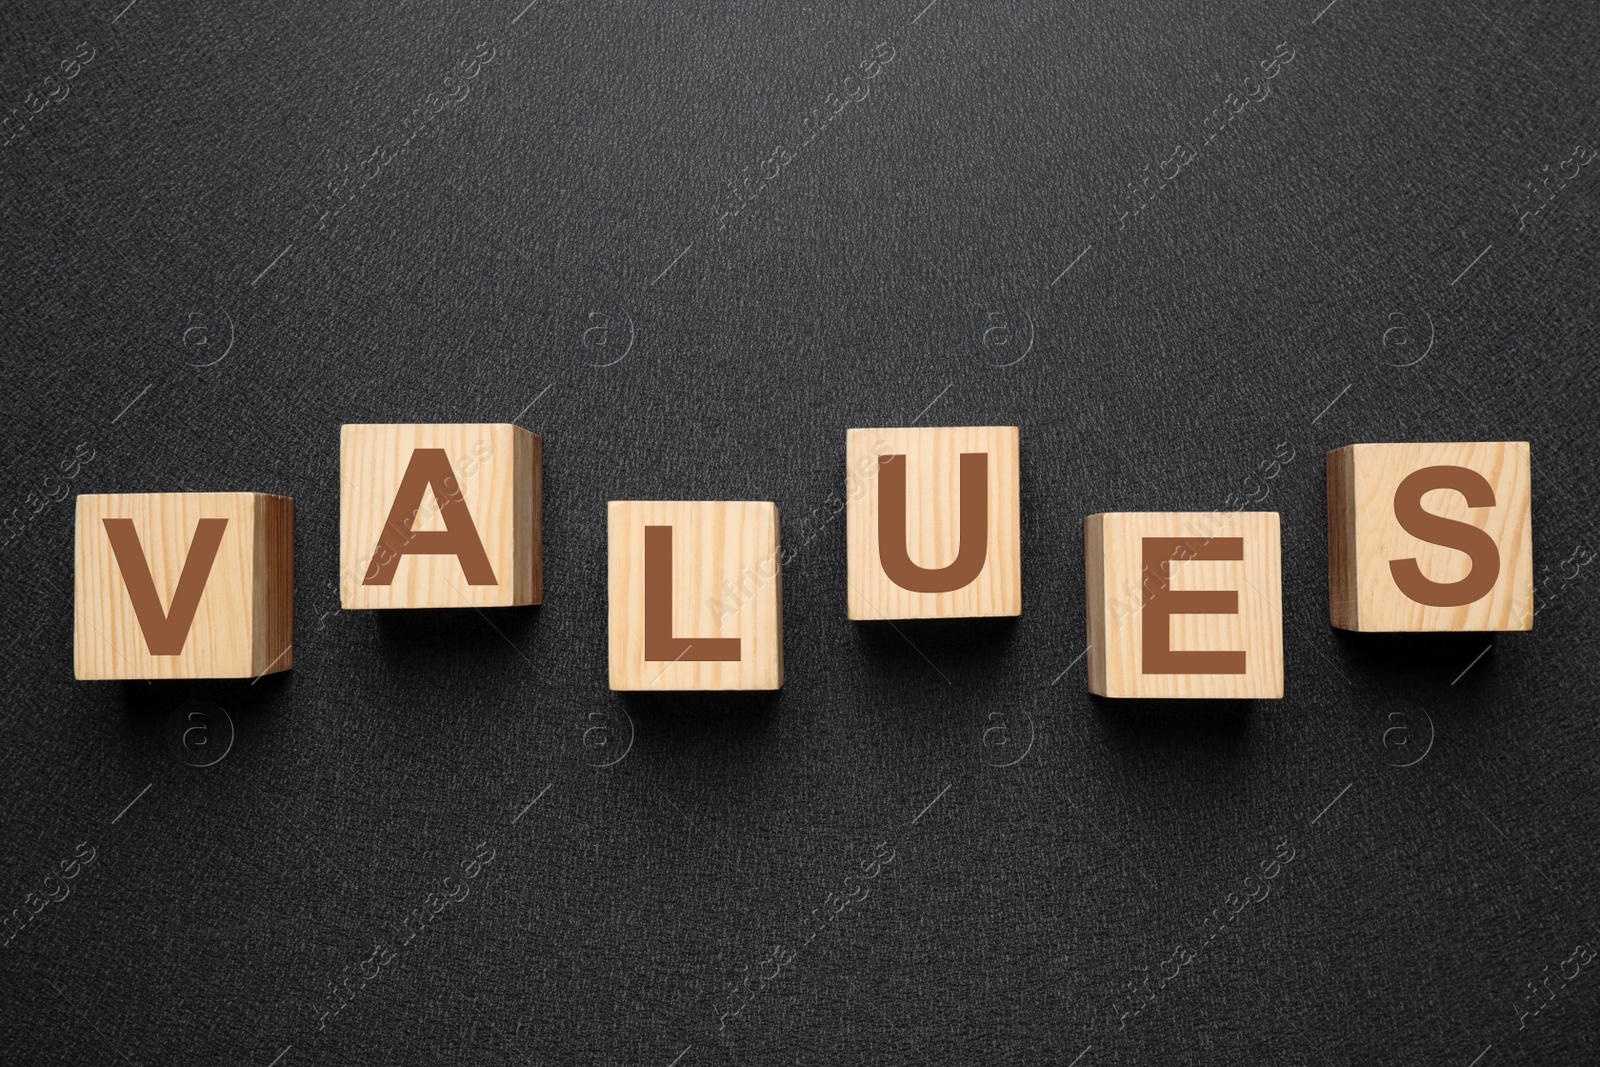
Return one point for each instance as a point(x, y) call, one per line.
point(440, 516)
point(183, 585)
point(1430, 537)
point(695, 595)
point(1184, 604)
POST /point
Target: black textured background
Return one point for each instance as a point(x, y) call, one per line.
point(1349, 261)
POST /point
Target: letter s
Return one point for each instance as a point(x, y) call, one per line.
point(1450, 533)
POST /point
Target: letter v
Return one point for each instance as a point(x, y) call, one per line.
point(165, 631)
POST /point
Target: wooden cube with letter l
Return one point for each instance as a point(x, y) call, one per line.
point(1430, 537)
point(695, 595)
point(183, 585)
point(445, 516)
point(1184, 604)
point(934, 518)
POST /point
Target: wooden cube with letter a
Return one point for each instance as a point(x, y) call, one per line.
point(1430, 537)
point(183, 585)
point(444, 516)
point(934, 520)
point(1182, 605)
point(695, 595)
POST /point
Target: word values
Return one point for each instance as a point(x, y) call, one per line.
point(1421, 537)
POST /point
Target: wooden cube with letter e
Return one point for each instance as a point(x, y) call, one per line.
point(183, 585)
point(1430, 537)
point(1184, 604)
point(934, 522)
point(695, 595)
point(445, 516)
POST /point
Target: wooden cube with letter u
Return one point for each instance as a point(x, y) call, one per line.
point(1184, 604)
point(934, 521)
point(695, 591)
point(183, 585)
point(1430, 537)
point(444, 516)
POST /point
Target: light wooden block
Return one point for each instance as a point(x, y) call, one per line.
point(715, 611)
point(1430, 537)
point(933, 571)
point(1203, 625)
point(401, 550)
point(183, 585)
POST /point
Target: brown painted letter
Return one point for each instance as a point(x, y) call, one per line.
point(974, 544)
point(429, 468)
point(659, 644)
point(165, 632)
point(1162, 602)
point(1476, 543)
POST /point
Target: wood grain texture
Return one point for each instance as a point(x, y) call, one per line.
point(1341, 538)
point(499, 471)
point(243, 625)
point(727, 582)
point(1364, 537)
point(274, 583)
point(1118, 590)
point(932, 526)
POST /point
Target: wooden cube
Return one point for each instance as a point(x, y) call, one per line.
point(1185, 605)
point(695, 595)
point(444, 516)
point(1430, 537)
point(183, 585)
point(934, 522)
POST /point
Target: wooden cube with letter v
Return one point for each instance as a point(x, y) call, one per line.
point(1430, 537)
point(183, 585)
point(696, 598)
point(934, 522)
point(443, 516)
point(1185, 605)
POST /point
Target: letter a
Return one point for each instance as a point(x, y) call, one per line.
point(429, 469)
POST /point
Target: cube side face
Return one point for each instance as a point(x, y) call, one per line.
point(272, 646)
point(529, 516)
point(1458, 536)
point(491, 486)
point(1097, 610)
point(726, 582)
point(1343, 602)
point(1124, 602)
point(932, 466)
point(110, 641)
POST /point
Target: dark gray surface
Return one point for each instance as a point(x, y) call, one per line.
point(1365, 213)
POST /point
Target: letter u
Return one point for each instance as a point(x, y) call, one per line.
point(974, 543)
